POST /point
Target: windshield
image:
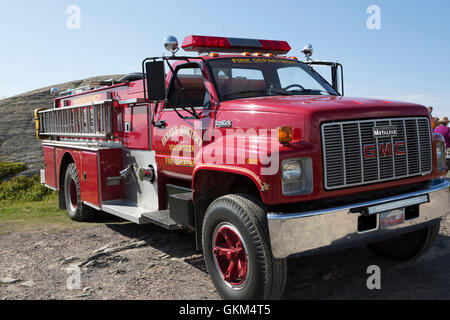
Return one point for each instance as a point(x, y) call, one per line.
point(256, 77)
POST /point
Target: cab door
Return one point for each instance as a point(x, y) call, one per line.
point(181, 122)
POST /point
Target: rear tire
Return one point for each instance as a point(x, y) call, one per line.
point(235, 233)
point(75, 208)
point(409, 246)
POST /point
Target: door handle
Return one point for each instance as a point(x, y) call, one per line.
point(161, 124)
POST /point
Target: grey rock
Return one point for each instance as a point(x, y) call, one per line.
point(9, 280)
point(28, 284)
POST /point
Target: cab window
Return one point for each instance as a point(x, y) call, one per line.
point(192, 93)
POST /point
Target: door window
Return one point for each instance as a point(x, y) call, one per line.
point(190, 91)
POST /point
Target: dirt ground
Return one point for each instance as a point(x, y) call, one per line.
point(127, 261)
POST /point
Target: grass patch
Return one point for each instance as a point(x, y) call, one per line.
point(8, 169)
point(27, 205)
point(23, 189)
point(30, 215)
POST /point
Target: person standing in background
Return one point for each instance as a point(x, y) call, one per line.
point(434, 121)
point(444, 130)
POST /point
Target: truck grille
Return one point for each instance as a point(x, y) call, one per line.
point(352, 156)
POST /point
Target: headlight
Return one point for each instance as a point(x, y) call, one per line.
point(292, 170)
point(440, 156)
point(296, 176)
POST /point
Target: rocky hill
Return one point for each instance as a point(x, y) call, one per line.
point(18, 140)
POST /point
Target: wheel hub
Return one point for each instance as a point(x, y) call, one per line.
point(230, 255)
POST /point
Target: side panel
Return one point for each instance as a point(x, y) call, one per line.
point(89, 177)
point(136, 127)
point(50, 172)
point(111, 163)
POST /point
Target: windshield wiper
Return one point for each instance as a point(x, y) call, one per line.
point(281, 92)
point(243, 92)
point(307, 91)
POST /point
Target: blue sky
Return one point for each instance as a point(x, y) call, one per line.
point(408, 59)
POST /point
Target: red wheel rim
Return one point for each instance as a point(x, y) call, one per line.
point(230, 255)
point(73, 194)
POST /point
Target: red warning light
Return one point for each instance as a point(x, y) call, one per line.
point(235, 45)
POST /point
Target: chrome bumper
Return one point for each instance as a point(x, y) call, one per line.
point(294, 233)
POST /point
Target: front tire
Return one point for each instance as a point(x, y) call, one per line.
point(237, 250)
point(75, 208)
point(409, 246)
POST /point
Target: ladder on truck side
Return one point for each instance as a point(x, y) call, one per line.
point(93, 120)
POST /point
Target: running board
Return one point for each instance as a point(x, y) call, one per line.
point(162, 219)
point(130, 211)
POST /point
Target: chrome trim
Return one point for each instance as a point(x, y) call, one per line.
point(132, 101)
point(293, 233)
point(84, 145)
point(42, 175)
point(344, 162)
point(50, 187)
point(418, 145)
point(379, 179)
point(393, 153)
point(113, 181)
point(76, 106)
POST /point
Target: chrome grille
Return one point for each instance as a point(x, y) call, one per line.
point(348, 162)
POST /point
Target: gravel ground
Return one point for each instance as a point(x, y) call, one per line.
point(126, 261)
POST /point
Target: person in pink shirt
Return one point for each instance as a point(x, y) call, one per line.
point(444, 130)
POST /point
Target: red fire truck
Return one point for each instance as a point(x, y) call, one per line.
point(254, 151)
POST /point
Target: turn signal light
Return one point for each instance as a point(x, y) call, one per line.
point(214, 54)
point(285, 134)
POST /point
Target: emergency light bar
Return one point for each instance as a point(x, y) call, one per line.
point(220, 44)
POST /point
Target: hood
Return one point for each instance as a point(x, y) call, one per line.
point(332, 106)
point(309, 111)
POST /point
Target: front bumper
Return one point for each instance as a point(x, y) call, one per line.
point(335, 228)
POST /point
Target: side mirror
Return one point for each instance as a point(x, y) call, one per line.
point(154, 81)
point(337, 74)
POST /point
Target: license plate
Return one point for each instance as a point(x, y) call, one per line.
point(392, 218)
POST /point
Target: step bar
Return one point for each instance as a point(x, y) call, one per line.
point(130, 211)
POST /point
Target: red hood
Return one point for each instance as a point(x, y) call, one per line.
point(309, 111)
point(331, 106)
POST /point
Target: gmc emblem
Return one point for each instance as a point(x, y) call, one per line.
point(385, 150)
